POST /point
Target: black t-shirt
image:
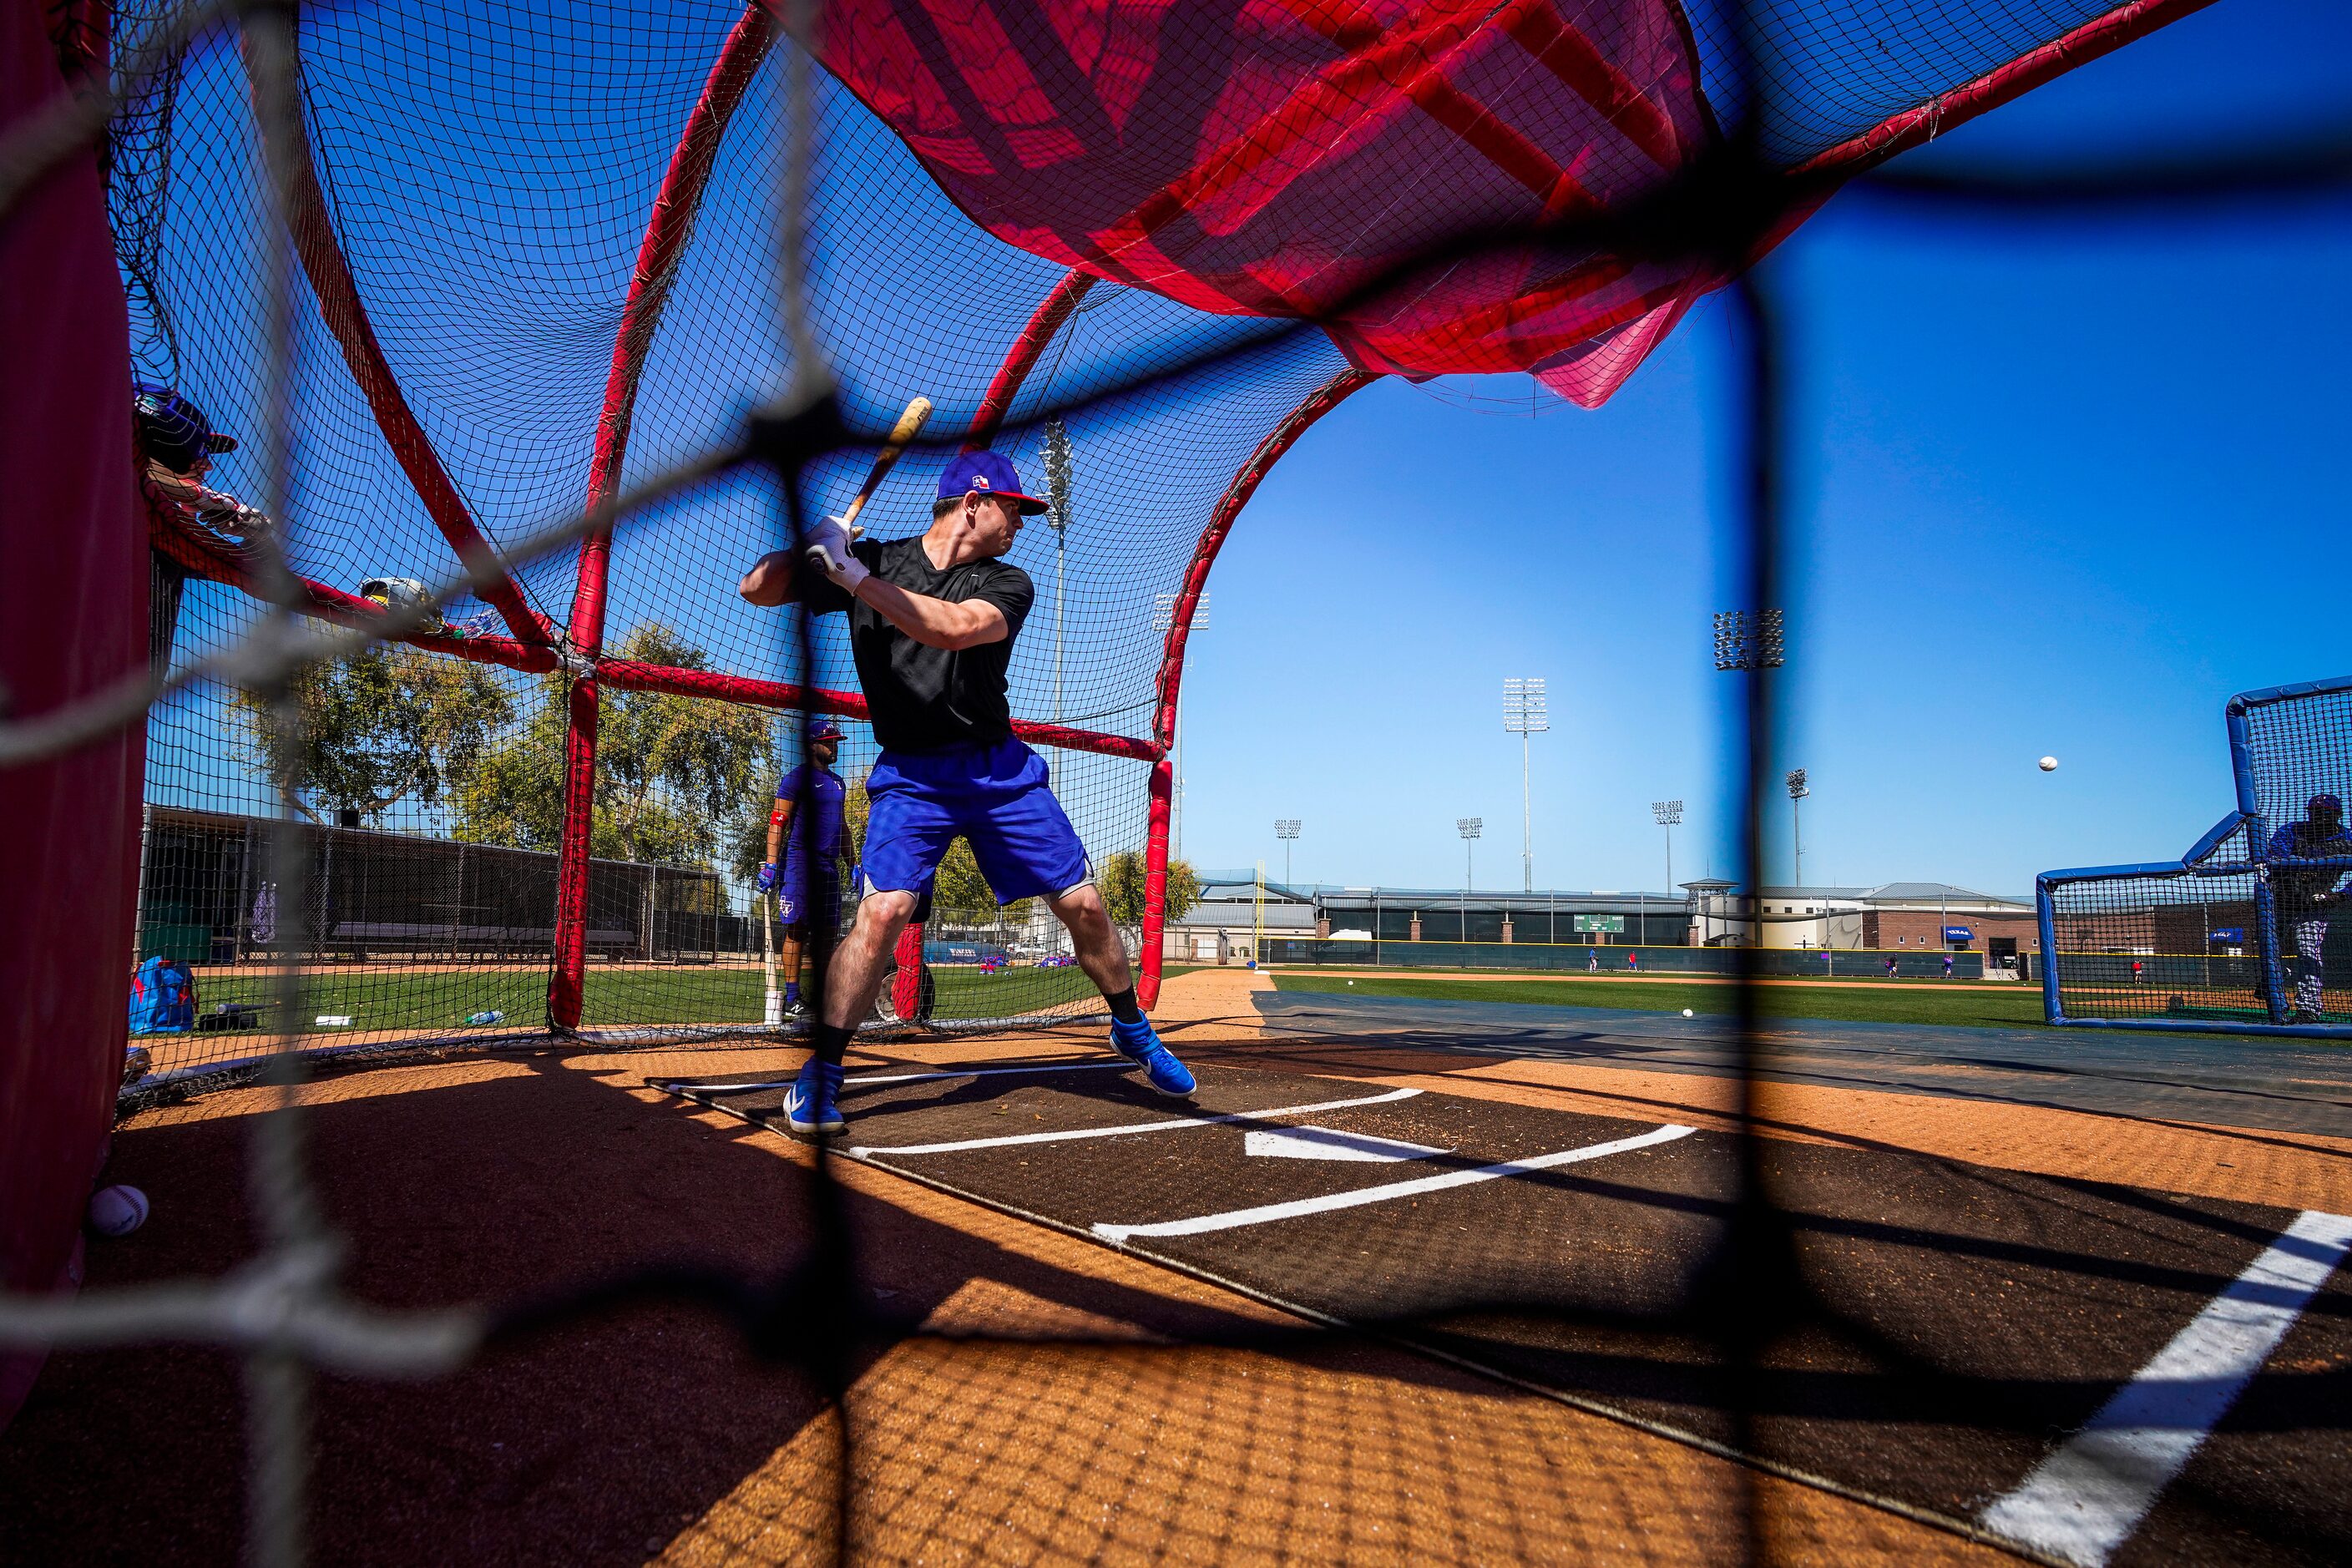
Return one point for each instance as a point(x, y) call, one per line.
point(924, 699)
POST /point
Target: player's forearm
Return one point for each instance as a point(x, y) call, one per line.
point(934, 623)
point(772, 581)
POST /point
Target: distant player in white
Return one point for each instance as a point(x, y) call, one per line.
point(2305, 896)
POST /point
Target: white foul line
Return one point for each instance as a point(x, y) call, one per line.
point(2085, 1499)
point(1169, 1125)
point(1412, 1188)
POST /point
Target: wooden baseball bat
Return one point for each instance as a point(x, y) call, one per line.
point(909, 426)
point(773, 1014)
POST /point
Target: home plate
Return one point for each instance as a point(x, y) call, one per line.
point(1326, 1143)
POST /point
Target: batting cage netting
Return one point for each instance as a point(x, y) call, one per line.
point(480, 350)
point(2245, 931)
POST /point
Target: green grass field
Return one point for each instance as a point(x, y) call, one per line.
point(407, 1000)
point(1894, 1002)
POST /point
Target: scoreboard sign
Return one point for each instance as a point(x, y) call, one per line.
point(1600, 922)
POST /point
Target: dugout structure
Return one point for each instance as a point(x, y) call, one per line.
point(2232, 935)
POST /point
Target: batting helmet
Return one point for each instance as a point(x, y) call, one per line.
point(174, 430)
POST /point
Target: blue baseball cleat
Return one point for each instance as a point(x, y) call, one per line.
point(1137, 1042)
point(809, 1105)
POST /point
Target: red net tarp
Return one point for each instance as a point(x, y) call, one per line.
point(1306, 158)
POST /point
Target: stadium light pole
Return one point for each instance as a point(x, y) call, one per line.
point(1286, 829)
point(1745, 641)
point(1751, 642)
point(1669, 813)
point(1469, 828)
point(1057, 518)
point(1163, 615)
point(1798, 790)
point(1525, 713)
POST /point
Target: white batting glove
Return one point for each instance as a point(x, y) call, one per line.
point(828, 551)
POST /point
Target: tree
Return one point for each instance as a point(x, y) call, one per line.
point(1123, 885)
point(669, 769)
point(387, 724)
point(961, 896)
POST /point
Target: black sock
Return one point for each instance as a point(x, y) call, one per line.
point(830, 1042)
point(1123, 1007)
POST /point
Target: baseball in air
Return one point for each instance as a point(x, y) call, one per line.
point(117, 1211)
point(2049, 764)
point(1686, 1011)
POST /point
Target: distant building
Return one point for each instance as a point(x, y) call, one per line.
point(1222, 929)
point(1897, 917)
point(1891, 917)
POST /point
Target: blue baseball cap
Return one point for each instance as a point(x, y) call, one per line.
point(824, 730)
point(174, 430)
point(990, 473)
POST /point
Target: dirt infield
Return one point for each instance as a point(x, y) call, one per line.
point(652, 1433)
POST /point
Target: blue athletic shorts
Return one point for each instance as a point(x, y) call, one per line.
point(800, 899)
point(997, 797)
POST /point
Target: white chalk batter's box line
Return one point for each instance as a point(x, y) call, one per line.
point(1231, 1219)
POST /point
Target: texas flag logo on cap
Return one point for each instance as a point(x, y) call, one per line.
point(989, 473)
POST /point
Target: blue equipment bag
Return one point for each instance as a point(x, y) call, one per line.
point(163, 997)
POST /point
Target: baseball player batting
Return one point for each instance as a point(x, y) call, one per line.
point(932, 619)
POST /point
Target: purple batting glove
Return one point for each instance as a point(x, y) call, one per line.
point(767, 883)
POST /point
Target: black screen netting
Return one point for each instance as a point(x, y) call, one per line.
point(601, 305)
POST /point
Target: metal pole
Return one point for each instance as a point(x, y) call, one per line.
point(1526, 821)
point(1525, 713)
point(138, 895)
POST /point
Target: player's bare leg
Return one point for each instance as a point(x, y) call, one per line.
point(1092, 936)
point(1104, 958)
point(854, 977)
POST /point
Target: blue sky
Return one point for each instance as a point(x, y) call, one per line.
point(2062, 487)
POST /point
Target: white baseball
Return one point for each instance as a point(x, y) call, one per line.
point(1686, 1011)
point(2049, 764)
point(117, 1211)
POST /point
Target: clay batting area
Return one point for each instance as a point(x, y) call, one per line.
point(1405, 1282)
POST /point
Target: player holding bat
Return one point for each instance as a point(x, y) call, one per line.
point(2304, 897)
point(932, 624)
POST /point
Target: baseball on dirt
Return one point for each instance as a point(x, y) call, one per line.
point(2049, 764)
point(117, 1211)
